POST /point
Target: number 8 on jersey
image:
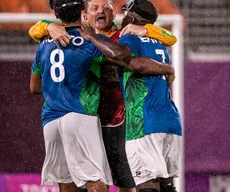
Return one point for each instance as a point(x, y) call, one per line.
point(57, 64)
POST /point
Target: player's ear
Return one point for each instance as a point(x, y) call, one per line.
point(134, 20)
point(85, 16)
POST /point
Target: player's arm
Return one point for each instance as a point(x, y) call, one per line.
point(35, 78)
point(45, 27)
point(152, 31)
point(39, 30)
point(35, 84)
point(106, 46)
point(146, 66)
point(143, 65)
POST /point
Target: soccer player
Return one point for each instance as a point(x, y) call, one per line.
point(75, 153)
point(153, 123)
point(99, 14)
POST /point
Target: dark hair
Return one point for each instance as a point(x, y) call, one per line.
point(51, 4)
point(143, 8)
point(68, 10)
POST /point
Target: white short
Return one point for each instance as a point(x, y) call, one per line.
point(153, 156)
point(171, 146)
point(75, 151)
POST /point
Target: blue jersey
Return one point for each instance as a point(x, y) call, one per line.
point(149, 107)
point(63, 74)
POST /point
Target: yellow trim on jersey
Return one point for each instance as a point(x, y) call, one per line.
point(164, 36)
point(38, 31)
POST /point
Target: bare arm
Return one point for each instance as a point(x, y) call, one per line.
point(107, 47)
point(147, 66)
point(56, 31)
point(152, 31)
point(35, 84)
point(111, 49)
point(58, 34)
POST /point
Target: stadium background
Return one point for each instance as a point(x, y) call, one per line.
point(206, 93)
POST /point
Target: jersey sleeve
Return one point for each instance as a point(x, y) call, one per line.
point(36, 65)
point(164, 36)
point(39, 30)
point(133, 42)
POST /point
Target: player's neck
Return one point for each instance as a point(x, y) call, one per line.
point(108, 31)
point(77, 24)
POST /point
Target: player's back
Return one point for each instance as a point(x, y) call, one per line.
point(156, 84)
point(63, 74)
point(149, 96)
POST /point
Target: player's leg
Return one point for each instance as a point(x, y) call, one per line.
point(67, 187)
point(114, 141)
point(55, 169)
point(126, 189)
point(146, 161)
point(85, 153)
point(96, 186)
point(153, 184)
point(149, 190)
point(171, 153)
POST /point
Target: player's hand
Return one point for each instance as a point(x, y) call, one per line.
point(59, 34)
point(87, 32)
point(134, 30)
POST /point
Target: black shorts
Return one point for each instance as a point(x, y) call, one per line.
point(114, 141)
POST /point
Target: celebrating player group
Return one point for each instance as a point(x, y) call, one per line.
point(108, 117)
